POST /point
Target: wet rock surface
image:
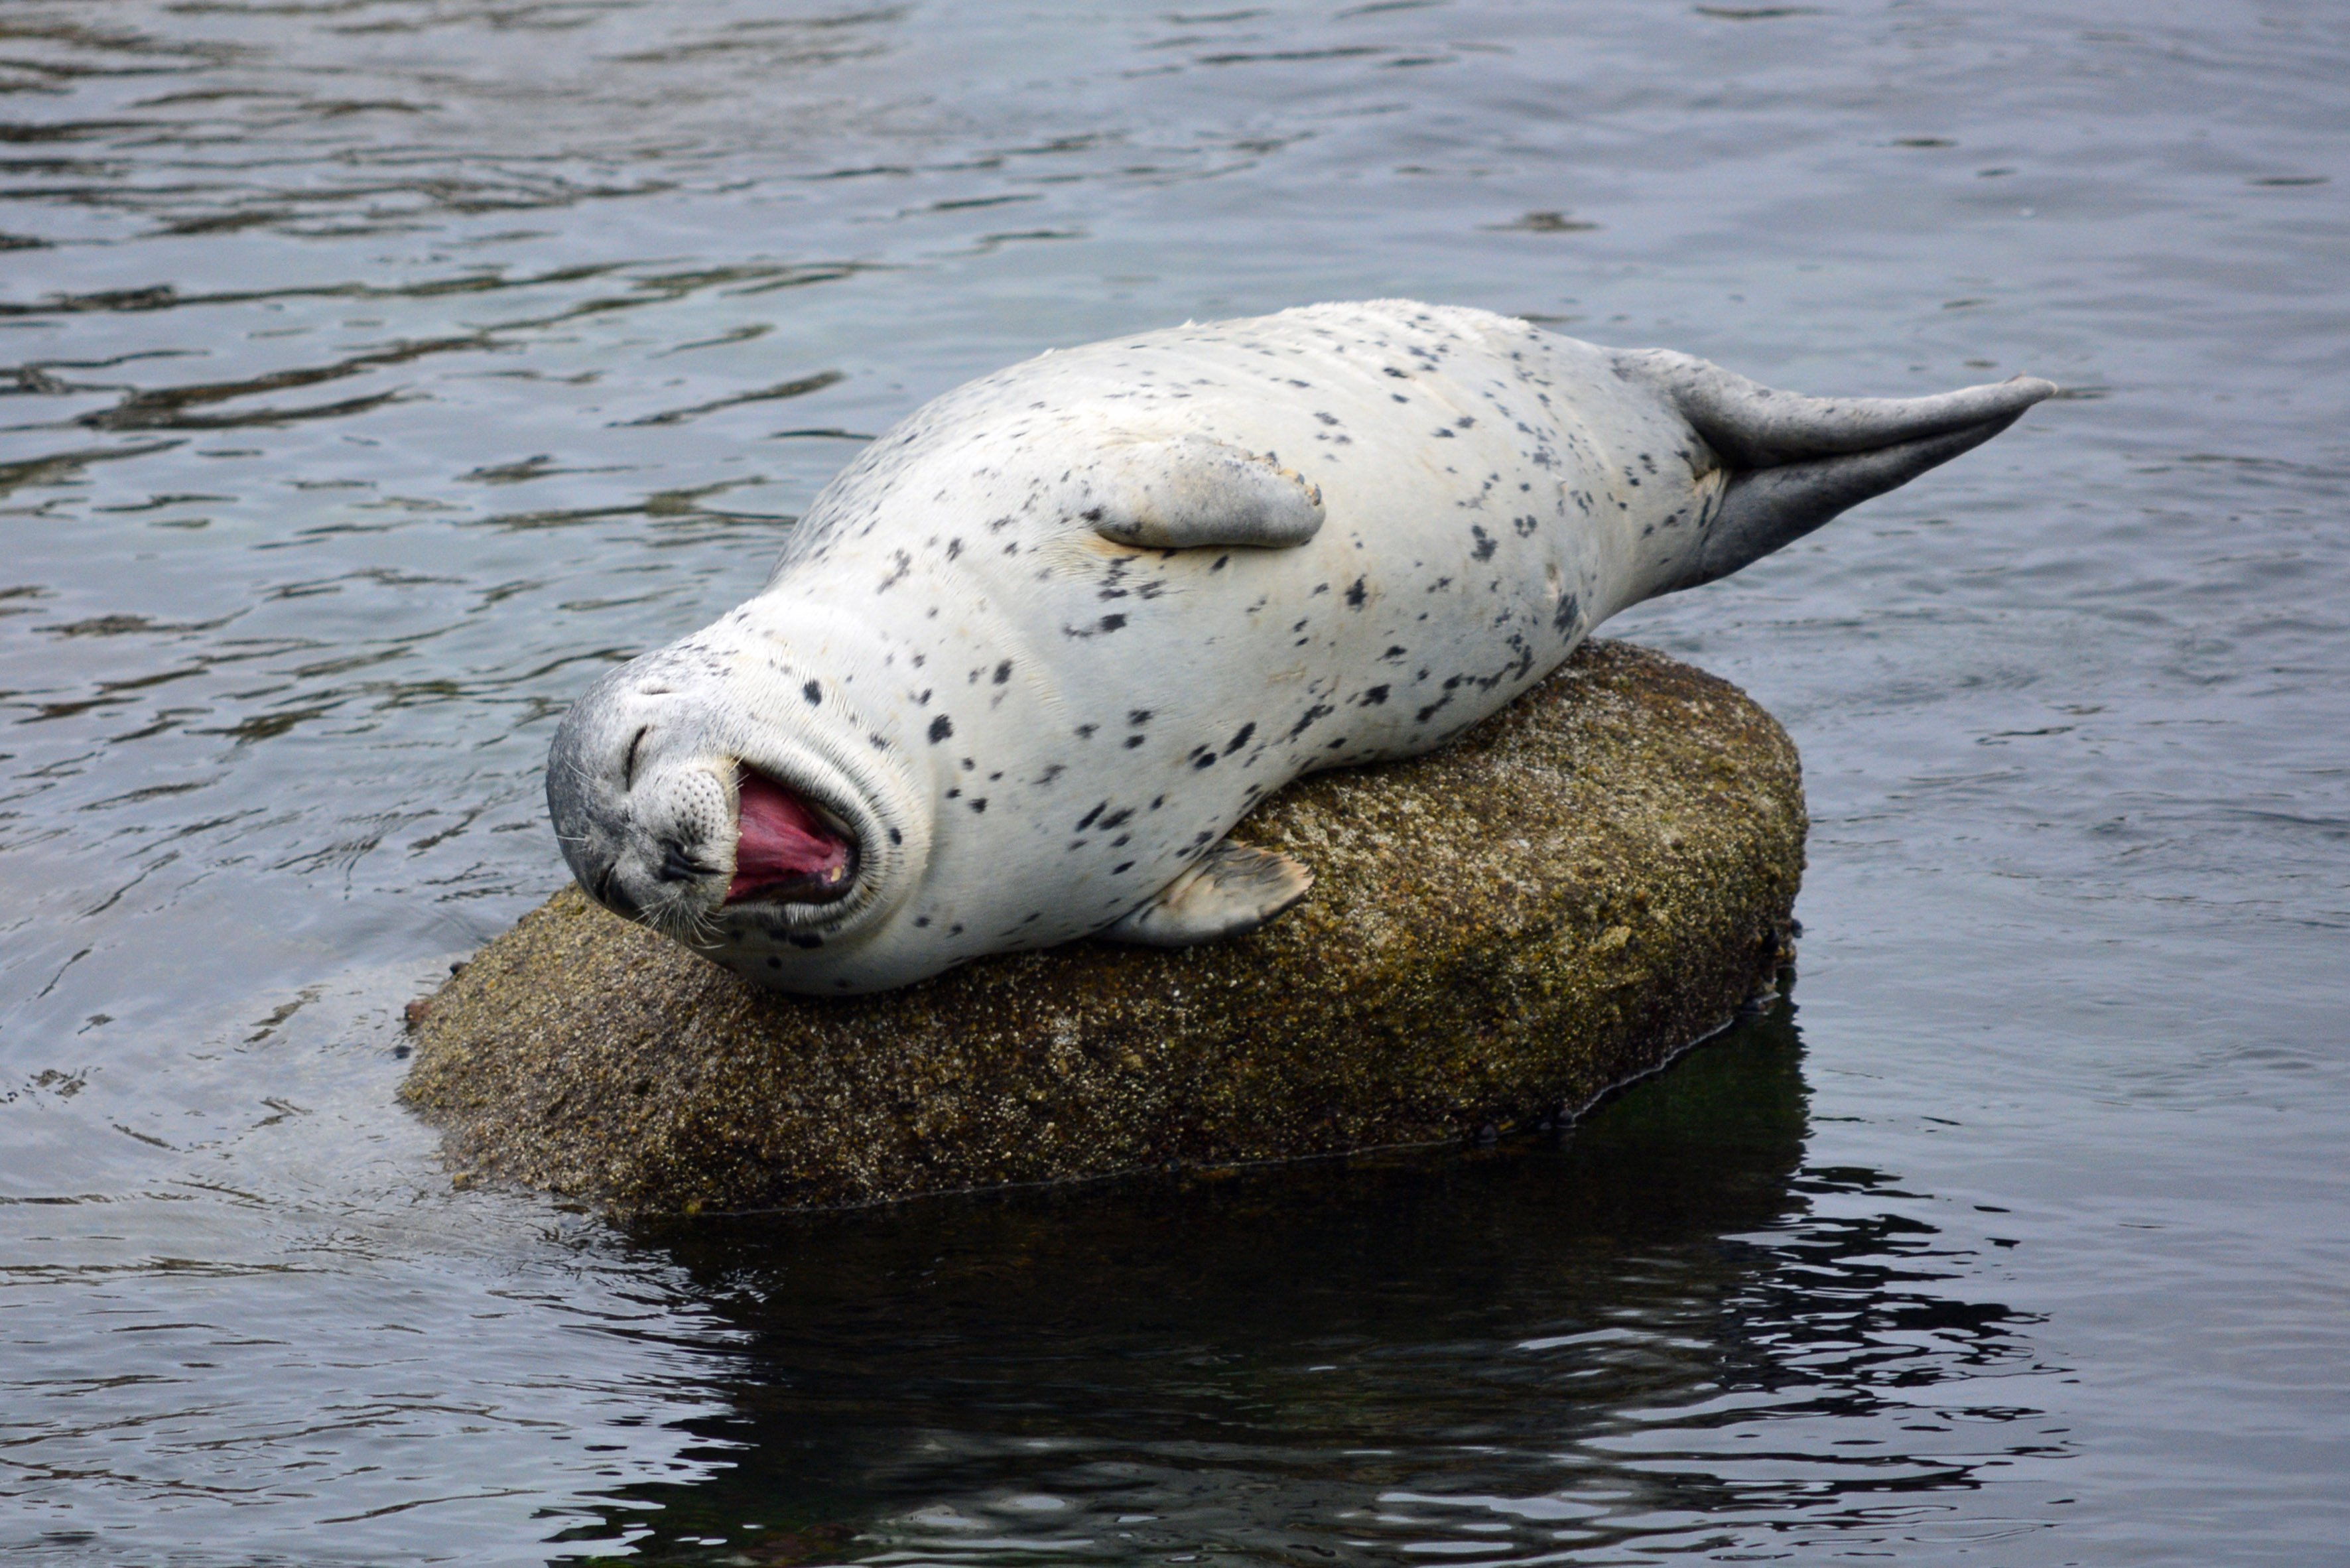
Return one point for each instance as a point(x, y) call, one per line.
point(1500, 932)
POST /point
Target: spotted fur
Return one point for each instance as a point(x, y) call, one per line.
point(1033, 726)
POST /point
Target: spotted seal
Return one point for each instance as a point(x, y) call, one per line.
point(1027, 659)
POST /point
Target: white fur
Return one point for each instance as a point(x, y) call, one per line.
point(1054, 726)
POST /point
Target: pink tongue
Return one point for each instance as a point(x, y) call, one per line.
point(783, 845)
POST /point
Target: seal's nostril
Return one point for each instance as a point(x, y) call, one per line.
point(679, 866)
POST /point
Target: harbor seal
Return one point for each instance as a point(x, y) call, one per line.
point(1028, 659)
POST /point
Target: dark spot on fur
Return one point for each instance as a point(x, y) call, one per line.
point(940, 727)
point(814, 693)
point(1307, 719)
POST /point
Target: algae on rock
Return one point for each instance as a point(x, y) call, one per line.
point(1500, 931)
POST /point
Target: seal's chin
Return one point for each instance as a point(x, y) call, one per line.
point(787, 848)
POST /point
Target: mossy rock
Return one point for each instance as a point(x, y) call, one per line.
point(1499, 933)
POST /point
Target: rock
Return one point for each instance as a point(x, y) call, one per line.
point(1499, 933)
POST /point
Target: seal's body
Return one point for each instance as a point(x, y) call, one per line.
point(1026, 660)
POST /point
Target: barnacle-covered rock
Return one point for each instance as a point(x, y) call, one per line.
point(1499, 932)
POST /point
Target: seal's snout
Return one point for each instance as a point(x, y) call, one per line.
point(685, 803)
point(787, 849)
point(643, 818)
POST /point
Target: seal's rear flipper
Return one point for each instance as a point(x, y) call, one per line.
point(1796, 462)
point(1234, 888)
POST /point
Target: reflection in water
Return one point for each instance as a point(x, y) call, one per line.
point(1626, 1339)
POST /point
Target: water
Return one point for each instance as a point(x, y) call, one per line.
point(378, 369)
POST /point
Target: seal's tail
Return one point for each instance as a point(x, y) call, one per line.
point(1796, 462)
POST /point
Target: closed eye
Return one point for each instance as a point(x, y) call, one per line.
point(628, 763)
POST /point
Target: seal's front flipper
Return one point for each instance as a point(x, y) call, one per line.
point(1234, 888)
point(1190, 492)
point(1795, 462)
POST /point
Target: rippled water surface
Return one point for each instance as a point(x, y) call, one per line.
point(374, 371)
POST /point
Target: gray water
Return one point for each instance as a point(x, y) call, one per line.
point(377, 370)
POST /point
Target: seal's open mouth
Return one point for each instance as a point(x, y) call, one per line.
point(788, 849)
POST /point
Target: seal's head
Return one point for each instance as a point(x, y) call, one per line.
point(709, 792)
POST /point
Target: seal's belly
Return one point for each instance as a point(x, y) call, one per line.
point(1103, 712)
